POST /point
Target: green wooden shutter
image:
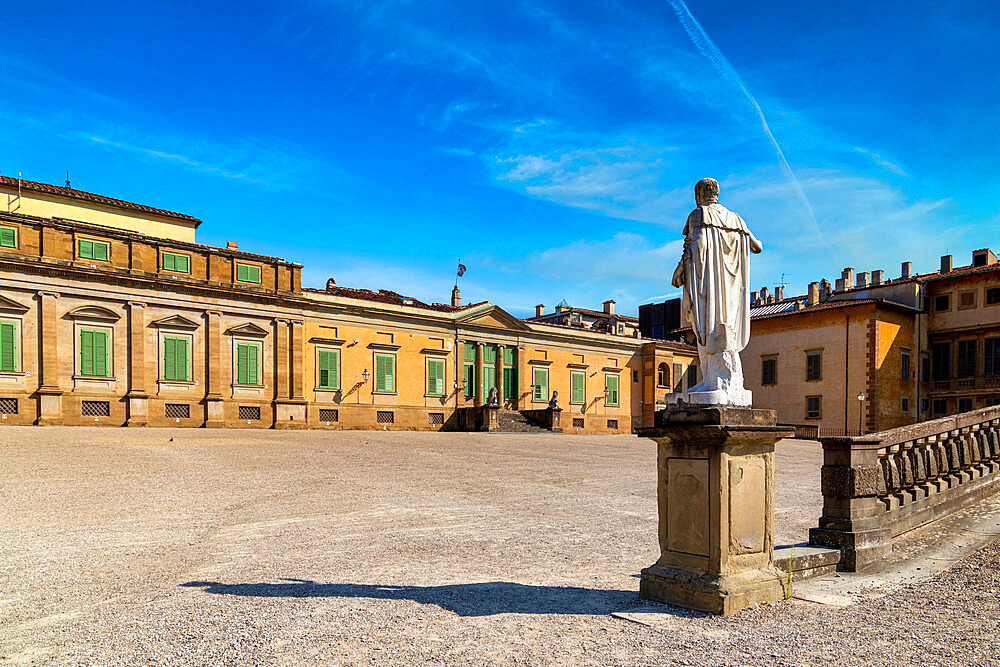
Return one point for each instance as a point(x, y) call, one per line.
point(241, 272)
point(470, 380)
point(8, 347)
point(384, 372)
point(489, 354)
point(101, 353)
point(254, 274)
point(470, 351)
point(510, 383)
point(508, 357)
point(242, 363)
point(168, 261)
point(182, 263)
point(253, 363)
point(578, 393)
point(101, 251)
point(489, 378)
point(328, 372)
point(8, 237)
point(169, 357)
point(540, 378)
point(611, 383)
point(181, 359)
point(86, 352)
point(86, 249)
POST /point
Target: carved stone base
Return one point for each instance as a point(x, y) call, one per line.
point(711, 593)
point(735, 397)
point(715, 490)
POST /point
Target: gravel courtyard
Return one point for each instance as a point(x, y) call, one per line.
point(162, 546)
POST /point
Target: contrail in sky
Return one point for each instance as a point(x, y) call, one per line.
point(707, 48)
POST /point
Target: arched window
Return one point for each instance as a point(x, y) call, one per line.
point(662, 376)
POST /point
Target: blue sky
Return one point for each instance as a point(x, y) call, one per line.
point(552, 146)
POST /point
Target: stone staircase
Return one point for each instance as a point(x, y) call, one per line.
point(512, 421)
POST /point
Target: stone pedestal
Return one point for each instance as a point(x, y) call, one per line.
point(715, 490)
point(491, 418)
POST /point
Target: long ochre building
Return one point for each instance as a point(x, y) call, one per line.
point(111, 313)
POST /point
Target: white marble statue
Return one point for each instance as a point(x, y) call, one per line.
point(715, 273)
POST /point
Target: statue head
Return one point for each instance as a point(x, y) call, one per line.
point(706, 191)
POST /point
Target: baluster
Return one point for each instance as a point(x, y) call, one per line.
point(954, 461)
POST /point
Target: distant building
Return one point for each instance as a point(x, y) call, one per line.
point(916, 347)
point(660, 320)
point(112, 314)
point(606, 321)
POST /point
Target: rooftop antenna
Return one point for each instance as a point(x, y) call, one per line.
point(67, 178)
point(783, 274)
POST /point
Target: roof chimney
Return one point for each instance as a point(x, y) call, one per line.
point(754, 296)
point(779, 292)
point(456, 298)
point(862, 279)
point(609, 307)
point(878, 277)
point(840, 285)
point(848, 276)
point(824, 290)
point(813, 299)
point(231, 245)
point(763, 293)
point(945, 263)
point(907, 270)
point(539, 310)
point(330, 284)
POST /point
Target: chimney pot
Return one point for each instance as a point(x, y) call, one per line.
point(878, 277)
point(539, 310)
point(840, 285)
point(231, 245)
point(609, 307)
point(863, 279)
point(330, 284)
point(763, 293)
point(848, 276)
point(456, 298)
point(907, 270)
point(946, 263)
point(779, 292)
point(813, 298)
point(754, 297)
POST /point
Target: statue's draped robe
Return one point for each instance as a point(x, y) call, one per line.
point(717, 277)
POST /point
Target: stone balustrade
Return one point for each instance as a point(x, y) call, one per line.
point(880, 485)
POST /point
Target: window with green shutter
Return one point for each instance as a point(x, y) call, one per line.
point(94, 353)
point(578, 387)
point(385, 373)
point(611, 389)
point(175, 262)
point(8, 237)
point(435, 377)
point(175, 358)
point(328, 369)
point(470, 351)
point(8, 346)
point(489, 379)
point(247, 273)
point(248, 363)
point(98, 250)
point(510, 383)
point(509, 356)
point(540, 384)
point(470, 380)
point(489, 354)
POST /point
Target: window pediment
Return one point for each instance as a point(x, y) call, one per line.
point(94, 313)
point(11, 306)
point(175, 322)
point(247, 329)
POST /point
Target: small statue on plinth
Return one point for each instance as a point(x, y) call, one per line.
point(554, 402)
point(714, 271)
point(493, 400)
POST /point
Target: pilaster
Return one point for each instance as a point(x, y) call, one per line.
point(214, 378)
point(49, 390)
point(138, 391)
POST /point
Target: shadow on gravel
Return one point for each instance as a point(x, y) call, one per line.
point(480, 599)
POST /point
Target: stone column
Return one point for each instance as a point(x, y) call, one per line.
point(49, 390)
point(297, 359)
point(138, 392)
point(524, 380)
point(715, 491)
point(852, 480)
point(214, 376)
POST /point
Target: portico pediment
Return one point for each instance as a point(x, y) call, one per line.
point(494, 316)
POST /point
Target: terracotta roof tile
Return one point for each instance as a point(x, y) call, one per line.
point(62, 191)
point(389, 297)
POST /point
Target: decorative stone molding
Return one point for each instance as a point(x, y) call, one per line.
point(94, 313)
point(175, 322)
point(247, 329)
